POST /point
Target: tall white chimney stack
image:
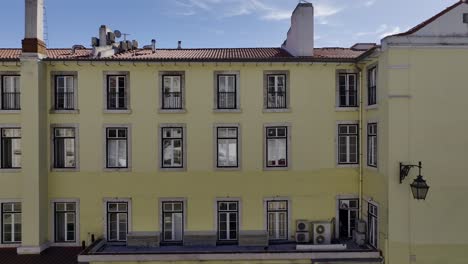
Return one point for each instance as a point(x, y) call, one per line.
point(33, 41)
point(300, 39)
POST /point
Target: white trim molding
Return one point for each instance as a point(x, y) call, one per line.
point(215, 147)
point(127, 92)
point(290, 235)
point(288, 146)
point(53, 76)
point(12, 170)
point(184, 146)
point(129, 147)
point(129, 212)
point(77, 147)
point(52, 222)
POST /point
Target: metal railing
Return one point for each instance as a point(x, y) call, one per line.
point(276, 100)
point(172, 100)
point(116, 100)
point(11, 101)
point(348, 98)
point(64, 101)
point(227, 100)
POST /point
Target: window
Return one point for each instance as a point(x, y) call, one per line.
point(117, 92)
point(348, 144)
point(347, 89)
point(117, 147)
point(173, 221)
point(372, 222)
point(228, 220)
point(227, 147)
point(11, 148)
point(277, 214)
point(172, 92)
point(11, 223)
point(64, 148)
point(11, 92)
point(172, 147)
point(372, 145)
point(276, 91)
point(372, 86)
point(276, 146)
point(65, 221)
point(117, 221)
point(227, 92)
point(64, 92)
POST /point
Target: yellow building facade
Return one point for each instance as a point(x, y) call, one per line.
point(218, 155)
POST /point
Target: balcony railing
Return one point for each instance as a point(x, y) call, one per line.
point(227, 100)
point(11, 101)
point(276, 100)
point(116, 100)
point(172, 100)
point(65, 101)
point(348, 98)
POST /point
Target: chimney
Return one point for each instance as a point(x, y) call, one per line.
point(179, 44)
point(33, 41)
point(153, 45)
point(300, 38)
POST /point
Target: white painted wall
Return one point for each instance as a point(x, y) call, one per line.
point(300, 39)
point(450, 24)
point(34, 17)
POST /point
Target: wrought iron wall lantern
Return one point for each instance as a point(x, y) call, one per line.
point(419, 188)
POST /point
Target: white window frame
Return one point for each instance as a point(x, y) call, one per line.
point(338, 107)
point(289, 209)
point(345, 165)
point(287, 91)
point(126, 74)
point(376, 205)
point(368, 69)
point(236, 75)
point(184, 147)
point(161, 91)
point(52, 147)
point(239, 217)
point(9, 73)
point(129, 214)
point(337, 208)
point(53, 79)
point(6, 126)
point(288, 146)
point(161, 201)
point(77, 241)
point(129, 147)
point(215, 146)
point(13, 244)
point(374, 149)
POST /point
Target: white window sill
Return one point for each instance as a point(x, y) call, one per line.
point(117, 111)
point(117, 169)
point(346, 109)
point(227, 168)
point(371, 107)
point(55, 111)
point(227, 110)
point(172, 111)
point(275, 168)
point(12, 245)
point(372, 168)
point(65, 244)
point(65, 170)
point(172, 169)
point(4, 170)
point(280, 110)
point(10, 111)
point(347, 165)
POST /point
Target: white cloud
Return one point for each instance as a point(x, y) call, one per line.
point(325, 10)
point(369, 3)
point(392, 31)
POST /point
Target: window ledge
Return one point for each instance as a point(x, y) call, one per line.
point(346, 109)
point(10, 245)
point(4, 170)
point(55, 111)
point(227, 168)
point(117, 169)
point(347, 165)
point(117, 111)
point(172, 111)
point(371, 107)
point(65, 170)
point(65, 244)
point(10, 111)
point(280, 110)
point(172, 169)
point(227, 110)
point(371, 168)
point(276, 168)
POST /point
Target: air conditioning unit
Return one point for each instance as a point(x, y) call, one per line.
point(321, 233)
point(302, 226)
point(302, 237)
point(359, 238)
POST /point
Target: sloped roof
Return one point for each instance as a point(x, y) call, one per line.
point(206, 54)
point(432, 19)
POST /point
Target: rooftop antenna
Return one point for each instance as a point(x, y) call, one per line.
point(125, 36)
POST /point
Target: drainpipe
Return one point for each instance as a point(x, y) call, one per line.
point(361, 166)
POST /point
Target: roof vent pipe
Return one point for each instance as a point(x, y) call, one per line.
point(179, 44)
point(153, 45)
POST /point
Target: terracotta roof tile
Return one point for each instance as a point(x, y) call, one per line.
point(209, 54)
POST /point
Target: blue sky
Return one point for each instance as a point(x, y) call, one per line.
point(217, 23)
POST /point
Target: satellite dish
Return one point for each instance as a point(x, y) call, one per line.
point(117, 33)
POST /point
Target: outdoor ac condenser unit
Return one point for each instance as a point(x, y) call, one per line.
point(302, 226)
point(321, 233)
point(302, 237)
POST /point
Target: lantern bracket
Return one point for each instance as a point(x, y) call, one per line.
point(405, 169)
